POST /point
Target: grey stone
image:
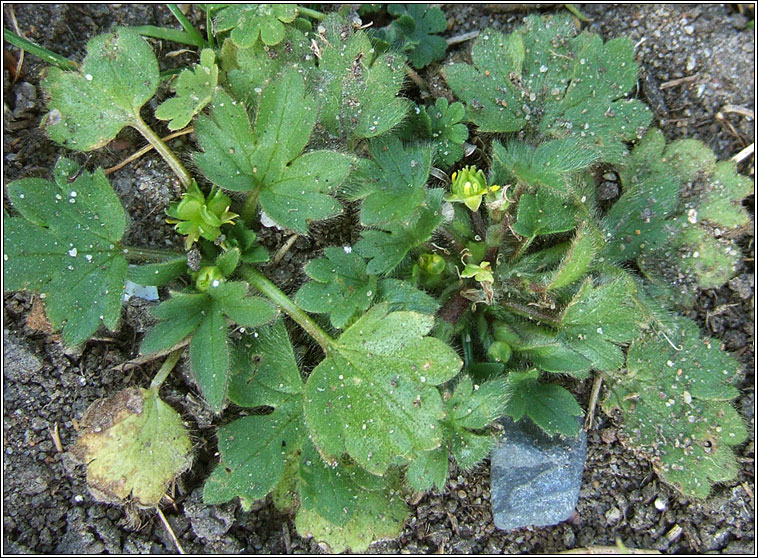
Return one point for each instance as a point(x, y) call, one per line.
point(535, 479)
point(20, 362)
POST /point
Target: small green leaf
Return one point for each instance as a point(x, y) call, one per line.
point(578, 259)
point(401, 295)
point(429, 470)
point(546, 80)
point(357, 91)
point(600, 318)
point(88, 108)
point(66, 246)
point(549, 406)
point(249, 70)
point(393, 185)
point(340, 286)
point(441, 124)
point(554, 164)
point(543, 213)
point(674, 396)
point(194, 89)
point(228, 141)
point(202, 316)
point(294, 188)
point(134, 445)
point(416, 24)
point(249, 22)
point(209, 356)
point(373, 396)
point(254, 449)
point(386, 248)
point(328, 489)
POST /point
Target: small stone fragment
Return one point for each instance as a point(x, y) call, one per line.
point(535, 479)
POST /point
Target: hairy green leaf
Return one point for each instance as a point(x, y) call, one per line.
point(340, 286)
point(441, 124)
point(66, 246)
point(254, 449)
point(543, 213)
point(356, 90)
point(549, 406)
point(392, 184)
point(158, 274)
point(249, 22)
point(429, 469)
point(600, 318)
point(89, 107)
point(547, 80)
point(194, 89)
point(401, 295)
point(674, 397)
point(202, 316)
point(379, 515)
point(386, 248)
point(373, 397)
point(415, 26)
point(294, 187)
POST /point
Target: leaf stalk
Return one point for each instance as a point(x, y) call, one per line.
point(273, 293)
point(161, 147)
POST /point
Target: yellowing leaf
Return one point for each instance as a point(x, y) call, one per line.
point(134, 445)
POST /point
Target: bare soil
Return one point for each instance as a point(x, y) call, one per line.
point(696, 61)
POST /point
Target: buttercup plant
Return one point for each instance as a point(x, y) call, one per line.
point(516, 266)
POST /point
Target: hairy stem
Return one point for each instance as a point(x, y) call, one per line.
point(155, 255)
point(531, 313)
point(165, 369)
point(273, 293)
point(161, 147)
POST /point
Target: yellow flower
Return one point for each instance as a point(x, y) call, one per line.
point(469, 186)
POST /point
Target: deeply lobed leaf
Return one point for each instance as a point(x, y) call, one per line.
point(66, 246)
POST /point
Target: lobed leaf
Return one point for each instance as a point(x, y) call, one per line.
point(674, 398)
point(66, 246)
point(549, 406)
point(202, 316)
point(89, 107)
point(373, 396)
point(357, 92)
point(340, 286)
point(254, 449)
point(194, 90)
point(441, 124)
point(417, 25)
point(134, 445)
point(544, 79)
point(251, 22)
point(385, 249)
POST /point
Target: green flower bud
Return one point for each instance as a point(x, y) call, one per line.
point(208, 276)
point(196, 217)
point(433, 264)
point(500, 351)
point(469, 186)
